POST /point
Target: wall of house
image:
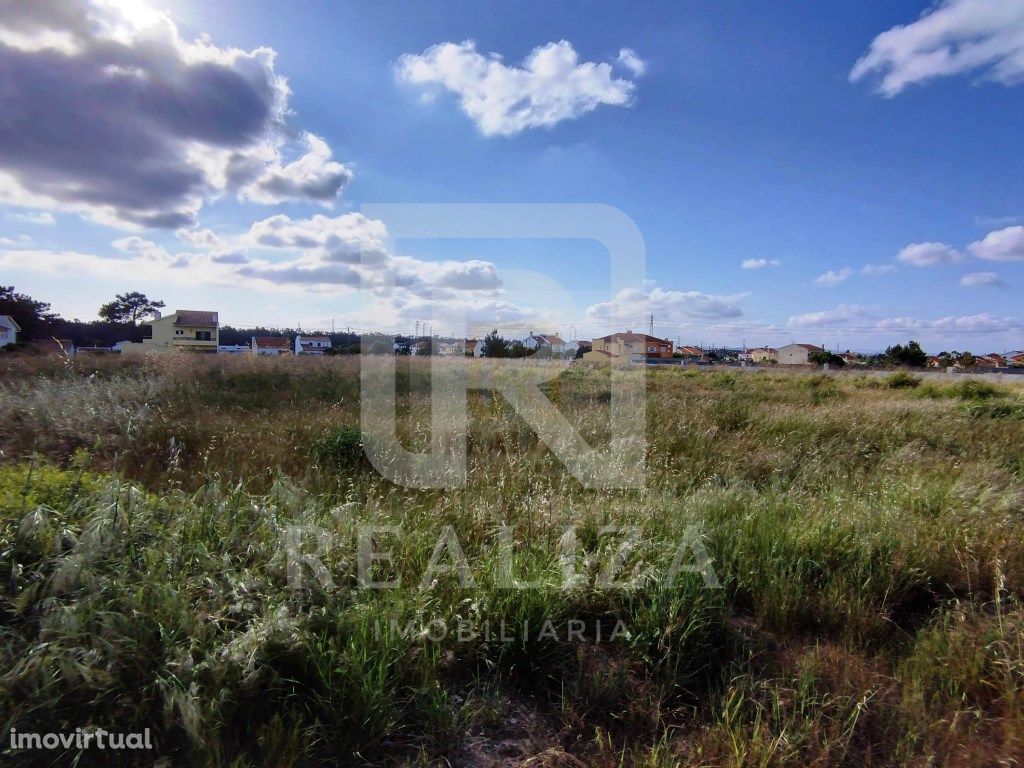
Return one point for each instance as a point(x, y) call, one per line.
point(794, 354)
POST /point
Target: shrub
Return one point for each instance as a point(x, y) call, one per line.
point(342, 447)
point(970, 389)
point(902, 380)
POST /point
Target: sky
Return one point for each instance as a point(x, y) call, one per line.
point(846, 173)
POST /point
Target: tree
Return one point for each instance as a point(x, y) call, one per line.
point(518, 349)
point(130, 308)
point(495, 345)
point(911, 355)
point(823, 357)
point(33, 317)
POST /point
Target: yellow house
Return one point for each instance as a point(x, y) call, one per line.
point(189, 329)
point(621, 348)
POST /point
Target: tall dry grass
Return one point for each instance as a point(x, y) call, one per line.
point(866, 536)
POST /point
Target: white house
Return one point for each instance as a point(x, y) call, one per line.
point(312, 345)
point(8, 330)
point(270, 346)
point(475, 347)
point(797, 354)
point(450, 348)
point(540, 341)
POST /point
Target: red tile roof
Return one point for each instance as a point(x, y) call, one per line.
point(195, 318)
point(629, 336)
point(272, 342)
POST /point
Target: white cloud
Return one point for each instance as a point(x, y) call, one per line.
point(42, 218)
point(142, 126)
point(352, 251)
point(877, 270)
point(954, 37)
point(551, 86)
point(834, 277)
point(929, 254)
point(1002, 245)
point(314, 176)
point(975, 279)
point(843, 315)
point(628, 58)
point(857, 326)
point(759, 263)
point(632, 306)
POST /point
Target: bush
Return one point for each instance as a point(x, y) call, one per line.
point(970, 389)
point(343, 447)
point(902, 380)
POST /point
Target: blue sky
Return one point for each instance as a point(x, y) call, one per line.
point(882, 201)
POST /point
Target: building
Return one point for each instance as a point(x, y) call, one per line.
point(1015, 359)
point(451, 348)
point(763, 355)
point(797, 354)
point(193, 330)
point(539, 341)
point(622, 348)
point(270, 345)
point(316, 344)
point(8, 330)
point(474, 347)
point(690, 353)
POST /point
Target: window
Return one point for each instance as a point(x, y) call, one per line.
point(203, 336)
point(179, 333)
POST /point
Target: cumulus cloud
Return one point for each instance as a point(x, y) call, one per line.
point(352, 250)
point(628, 58)
point(929, 254)
point(976, 279)
point(842, 316)
point(867, 327)
point(551, 85)
point(141, 126)
point(834, 276)
point(877, 270)
point(314, 176)
point(1002, 245)
point(43, 218)
point(759, 263)
point(954, 37)
point(633, 305)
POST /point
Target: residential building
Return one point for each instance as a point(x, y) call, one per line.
point(8, 330)
point(315, 344)
point(621, 348)
point(474, 347)
point(690, 353)
point(797, 354)
point(1015, 359)
point(269, 346)
point(192, 330)
point(763, 355)
point(539, 341)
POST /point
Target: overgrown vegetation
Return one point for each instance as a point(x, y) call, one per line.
point(865, 534)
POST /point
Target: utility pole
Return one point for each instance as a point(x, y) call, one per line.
point(650, 325)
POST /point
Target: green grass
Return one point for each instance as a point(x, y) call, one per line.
point(865, 535)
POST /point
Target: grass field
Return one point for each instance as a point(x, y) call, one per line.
point(865, 534)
